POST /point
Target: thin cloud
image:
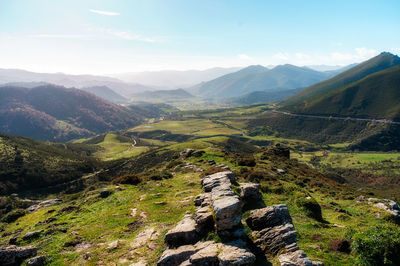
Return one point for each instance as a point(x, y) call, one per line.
point(125, 35)
point(60, 36)
point(105, 13)
point(244, 57)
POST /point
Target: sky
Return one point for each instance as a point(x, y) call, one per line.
point(116, 36)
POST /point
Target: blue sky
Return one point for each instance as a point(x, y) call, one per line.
point(111, 36)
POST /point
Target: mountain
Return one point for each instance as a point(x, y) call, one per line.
point(53, 112)
point(162, 96)
point(375, 96)
point(262, 97)
point(311, 94)
point(259, 78)
point(76, 81)
point(171, 79)
point(106, 93)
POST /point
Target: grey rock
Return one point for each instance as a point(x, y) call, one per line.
point(172, 257)
point(274, 239)
point(235, 253)
point(228, 212)
point(250, 191)
point(36, 261)
point(32, 235)
point(269, 217)
point(204, 219)
point(184, 233)
point(222, 178)
point(297, 258)
point(11, 255)
point(206, 256)
point(202, 199)
point(45, 203)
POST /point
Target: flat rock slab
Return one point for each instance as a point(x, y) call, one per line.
point(172, 257)
point(184, 233)
point(297, 258)
point(217, 179)
point(269, 217)
point(228, 212)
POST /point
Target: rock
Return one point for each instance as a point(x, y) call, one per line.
point(234, 253)
point(172, 257)
point(217, 179)
point(274, 239)
point(143, 237)
point(12, 255)
point(198, 153)
point(183, 233)
point(297, 258)
point(105, 193)
point(45, 203)
point(211, 162)
point(204, 220)
point(250, 191)
point(113, 245)
point(36, 261)
point(202, 199)
point(32, 235)
point(206, 256)
point(187, 152)
point(227, 211)
point(139, 263)
point(269, 217)
point(133, 212)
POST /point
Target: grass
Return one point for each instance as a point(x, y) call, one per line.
point(113, 149)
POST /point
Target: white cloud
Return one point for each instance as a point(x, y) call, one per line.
point(244, 57)
point(60, 36)
point(359, 54)
point(124, 35)
point(282, 56)
point(105, 13)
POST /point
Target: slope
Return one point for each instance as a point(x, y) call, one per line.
point(383, 61)
point(56, 113)
point(375, 96)
point(106, 93)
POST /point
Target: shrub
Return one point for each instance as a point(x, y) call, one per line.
point(212, 170)
point(256, 176)
point(247, 161)
point(340, 245)
point(310, 207)
point(13, 215)
point(378, 245)
point(161, 176)
point(127, 179)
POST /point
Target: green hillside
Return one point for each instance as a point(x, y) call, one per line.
point(375, 96)
point(301, 100)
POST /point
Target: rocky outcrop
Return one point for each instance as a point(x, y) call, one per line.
point(45, 203)
point(275, 234)
point(184, 233)
point(12, 255)
point(387, 205)
point(208, 253)
point(36, 261)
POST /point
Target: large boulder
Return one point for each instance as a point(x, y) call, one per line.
point(202, 200)
point(228, 212)
point(217, 179)
point(12, 255)
point(235, 253)
point(250, 191)
point(36, 261)
point(184, 233)
point(274, 239)
point(172, 257)
point(297, 258)
point(269, 217)
point(204, 220)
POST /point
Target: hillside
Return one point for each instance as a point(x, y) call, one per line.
point(106, 93)
point(300, 100)
point(262, 97)
point(55, 113)
point(33, 165)
point(259, 78)
point(375, 96)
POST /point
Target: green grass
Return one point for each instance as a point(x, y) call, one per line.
point(113, 149)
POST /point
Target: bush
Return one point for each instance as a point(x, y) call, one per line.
point(127, 179)
point(379, 245)
point(212, 170)
point(340, 245)
point(310, 207)
point(161, 176)
point(247, 161)
point(256, 176)
point(13, 215)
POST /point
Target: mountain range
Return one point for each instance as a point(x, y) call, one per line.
point(52, 112)
point(259, 78)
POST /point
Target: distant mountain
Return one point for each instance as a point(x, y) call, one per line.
point(162, 96)
point(56, 113)
point(76, 81)
point(106, 93)
point(152, 110)
point(171, 79)
point(301, 100)
point(259, 78)
point(262, 97)
point(375, 96)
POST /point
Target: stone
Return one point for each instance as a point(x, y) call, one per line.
point(113, 245)
point(45, 203)
point(143, 237)
point(198, 153)
point(297, 258)
point(250, 191)
point(183, 233)
point(269, 217)
point(133, 212)
point(204, 219)
point(32, 235)
point(218, 179)
point(234, 253)
point(206, 256)
point(228, 212)
point(12, 255)
point(36, 261)
point(187, 152)
point(172, 257)
point(202, 199)
point(274, 239)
